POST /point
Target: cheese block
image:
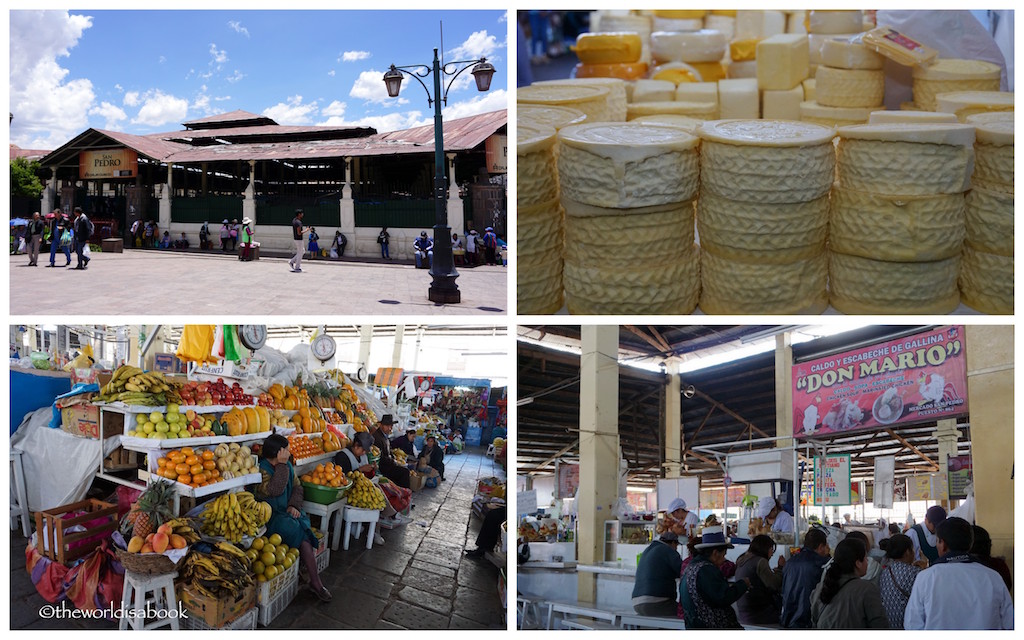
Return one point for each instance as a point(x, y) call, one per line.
point(947, 75)
point(640, 25)
point(725, 24)
point(761, 232)
point(906, 159)
point(759, 24)
point(591, 100)
point(898, 47)
point(743, 50)
point(706, 45)
point(782, 105)
point(622, 165)
point(815, 113)
point(608, 47)
point(990, 117)
point(536, 175)
point(701, 110)
point(730, 287)
point(832, 22)
point(915, 117)
point(597, 235)
point(697, 92)
point(653, 91)
point(841, 53)
point(993, 151)
point(676, 24)
point(967, 103)
point(557, 117)
point(675, 72)
point(816, 43)
point(986, 282)
point(796, 22)
point(686, 123)
point(989, 221)
point(739, 99)
point(864, 286)
point(849, 87)
point(738, 70)
point(896, 228)
point(768, 161)
point(810, 86)
point(709, 71)
point(658, 287)
point(539, 230)
point(783, 62)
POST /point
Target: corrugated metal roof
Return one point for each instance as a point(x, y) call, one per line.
point(232, 116)
point(31, 154)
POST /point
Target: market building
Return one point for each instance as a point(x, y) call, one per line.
point(238, 164)
point(192, 458)
point(861, 427)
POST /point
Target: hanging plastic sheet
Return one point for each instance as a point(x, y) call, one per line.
point(196, 343)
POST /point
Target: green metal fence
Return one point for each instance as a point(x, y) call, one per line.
point(325, 213)
point(206, 209)
point(397, 214)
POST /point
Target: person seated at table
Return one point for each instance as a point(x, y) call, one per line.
point(280, 487)
point(355, 455)
point(841, 601)
point(706, 596)
point(433, 455)
point(654, 590)
point(388, 467)
point(405, 442)
point(762, 605)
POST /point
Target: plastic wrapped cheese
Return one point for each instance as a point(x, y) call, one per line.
point(832, 22)
point(898, 47)
point(841, 53)
point(615, 100)
point(658, 287)
point(896, 228)
point(782, 62)
point(732, 287)
point(653, 91)
point(762, 232)
point(865, 286)
point(608, 47)
point(551, 116)
point(622, 165)
point(989, 221)
point(701, 110)
point(738, 98)
point(591, 100)
point(631, 235)
point(849, 87)
point(946, 75)
point(536, 176)
point(967, 103)
point(815, 113)
point(706, 45)
point(986, 281)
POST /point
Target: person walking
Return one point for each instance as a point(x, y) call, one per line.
point(225, 235)
point(472, 240)
point(490, 246)
point(204, 236)
point(383, 238)
point(314, 244)
point(34, 236)
point(135, 233)
point(246, 240)
point(83, 231)
point(297, 232)
point(57, 241)
point(234, 235)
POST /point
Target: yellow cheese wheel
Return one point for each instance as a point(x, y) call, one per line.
point(621, 70)
point(865, 286)
point(608, 48)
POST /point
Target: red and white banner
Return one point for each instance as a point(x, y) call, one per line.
point(918, 378)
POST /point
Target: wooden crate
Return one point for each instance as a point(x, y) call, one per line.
point(53, 526)
point(121, 459)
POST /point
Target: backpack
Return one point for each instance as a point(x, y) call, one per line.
point(89, 228)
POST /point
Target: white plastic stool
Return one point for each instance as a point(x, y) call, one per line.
point(359, 516)
point(20, 508)
point(136, 586)
point(327, 512)
point(490, 451)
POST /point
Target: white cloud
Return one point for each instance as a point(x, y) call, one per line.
point(112, 114)
point(235, 77)
point(332, 73)
point(238, 28)
point(478, 45)
point(131, 99)
point(292, 112)
point(201, 104)
point(48, 107)
point(119, 88)
point(494, 100)
point(369, 86)
point(218, 56)
point(353, 56)
point(504, 17)
point(160, 108)
point(335, 109)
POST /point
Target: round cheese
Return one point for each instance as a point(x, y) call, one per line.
point(608, 47)
point(989, 221)
point(686, 123)
point(730, 287)
point(706, 45)
point(623, 165)
point(765, 133)
point(816, 42)
point(993, 116)
point(701, 110)
point(814, 113)
point(915, 117)
point(896, 228)
point(539, 296)
point(536, 175)
point(621, 71)
point(615, 100)
point(630, 235)
point(676, 24)
point(658, 287)
point(637, 24)
point(759, 232)
point(864, 286)
point(539, 230)
point(676, 72)
point(591, 100)
point(844, 54)
point(968, 103)
point(832, 22)
point(993, 164)
point(653, 91)
point(557, 117)
point(946, 75)
point(849, 87)
point(986, 282)
point(709, 71)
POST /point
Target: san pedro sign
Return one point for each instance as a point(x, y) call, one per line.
point(108, 163)
point(922, 377)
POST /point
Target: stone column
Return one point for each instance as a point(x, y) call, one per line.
point(365, 338)
point(164, 193)
point(599, 446)
point(249, 203)
point(673, 424)
point(396, 354)
point(347, 209)
point(49, 194)
point(784, 391)
point(947, 435)
point(456, 218)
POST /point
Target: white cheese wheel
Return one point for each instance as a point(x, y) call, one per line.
point(591, 100)
point(557, 117)
point(816, 43)
point(686, 123)
point(537, 295)
point(832, 22)
point(597, 235)
point(916, 117)
point(730, 287)
point(700, 110)
point(608, 47)
point(783, 62)
point(706, 45)
point(622, 165)
point(539, 230)
point(967, 103)
point(725, 24)
point(844, 54)
point(819, 114)
point(697, 92)
point(849, 87)
point(653, 91)
point(537, 174)
point(864, 286)
point(739, 99)
point(741, 70)
point(615, 100)
point(896, 228)
point(761, 232)
point(998, 133)
point(989, 221)
point(759, 24)
point(782, 105)
point(986, 118)
point(675, 24)
point(796, 22)
point(657, 287)
point(986, 282)
point(906, 159)
point(539, 241)
point(993, 169)
point(947, 75)
point(810, 86)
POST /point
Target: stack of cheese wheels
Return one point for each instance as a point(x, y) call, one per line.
point(762, 216)
point(615, 98)
point(539, 228)
point(627, 190)
point(964, 104)
point(591, 100)
point(557, 117)
point(703, 50)
point(848, 84)
point(610, 55)
point(986, 268)
point(640, 25)
point(953, 74)
point(896, 224)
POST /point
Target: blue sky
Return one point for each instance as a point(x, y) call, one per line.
point(149, 71)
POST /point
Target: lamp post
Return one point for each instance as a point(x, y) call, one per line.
point(442, 288)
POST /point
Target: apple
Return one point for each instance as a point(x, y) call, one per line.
point(191, 415)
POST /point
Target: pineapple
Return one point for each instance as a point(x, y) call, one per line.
point(152, 508)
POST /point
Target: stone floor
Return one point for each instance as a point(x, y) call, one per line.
point(191, 283)
point(419, 579)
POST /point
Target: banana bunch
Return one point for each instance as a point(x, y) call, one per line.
point(258, 512)
point(364, 494)
point(224, 570)
point(183, 527)
point(233, 515)
point(132, 385)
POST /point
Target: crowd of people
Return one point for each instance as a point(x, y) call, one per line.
point(935, 575)
point(62, 233)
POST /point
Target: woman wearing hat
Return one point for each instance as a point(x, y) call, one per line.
point(654, 591)
point(706, 596)
point(433, 455)
point(246, 255)
point(490, 246)
point(225, 235)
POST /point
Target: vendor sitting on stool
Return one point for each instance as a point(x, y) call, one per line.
point(433, 455)
point(354, 455)
point(654, 592)
point(388, 467)
point(281, 488)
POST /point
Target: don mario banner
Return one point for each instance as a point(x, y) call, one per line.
point(917, 378)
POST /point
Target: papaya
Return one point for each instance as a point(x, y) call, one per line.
point(276, 391)
point(234, 424)
point(264, 419)
point(252, 420)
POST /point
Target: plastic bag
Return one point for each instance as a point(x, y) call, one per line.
point(196, 343)
point(87, 252)
point(334, 252)
point(21, 245)
point(398, 497)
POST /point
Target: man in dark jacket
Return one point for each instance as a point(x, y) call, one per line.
point(83, 231)
point(381, 437)
point(405, 443)
point(433, 455)
point(800, 576)
point(654, 591)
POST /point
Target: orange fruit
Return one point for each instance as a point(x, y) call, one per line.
point(209, 464)
point(199, 478)
point(214, 473)
point(161, 463)
point(176, 457)
point(168, 473)
point(191, 460)
point(188, 451)
point(196, 468)
point(182, 469)
point(184, 478)
point(208, 455)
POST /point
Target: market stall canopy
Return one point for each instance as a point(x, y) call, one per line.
point(388, 377)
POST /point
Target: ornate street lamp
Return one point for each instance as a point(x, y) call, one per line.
point(442, 288)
